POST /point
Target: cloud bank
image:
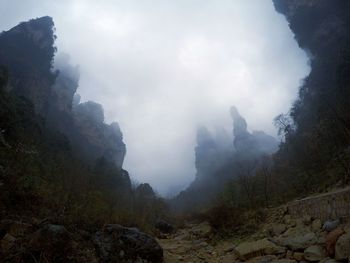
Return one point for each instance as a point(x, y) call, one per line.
point(161, 68)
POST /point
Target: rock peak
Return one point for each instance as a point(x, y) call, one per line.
point(239, 123)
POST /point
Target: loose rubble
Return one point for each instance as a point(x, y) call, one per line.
point(282, 239)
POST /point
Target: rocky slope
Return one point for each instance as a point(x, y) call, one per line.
point(33, 240)
point(280, 239)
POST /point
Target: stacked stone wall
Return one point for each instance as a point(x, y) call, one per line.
point(333, 205)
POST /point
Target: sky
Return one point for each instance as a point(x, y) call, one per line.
point(161, 68)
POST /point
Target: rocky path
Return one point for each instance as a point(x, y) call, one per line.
point(192, 244)
point(287, 241)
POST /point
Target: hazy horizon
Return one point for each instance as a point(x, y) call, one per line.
point(161, 68)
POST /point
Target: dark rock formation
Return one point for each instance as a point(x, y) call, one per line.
point(322, 29)
point(320, 26)
point(66, 84)
point(164, 227)
point(216, 161)
point(144, 191)
point(97, 138)
point(253, 144)
point(52, 242)
point(120, 244)
point(206, 153)
point(27, 51)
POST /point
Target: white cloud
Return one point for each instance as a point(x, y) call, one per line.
point(161, 67)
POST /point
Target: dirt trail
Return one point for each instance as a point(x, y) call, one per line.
point(191, 244)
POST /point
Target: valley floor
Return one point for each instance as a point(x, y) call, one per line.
point(191, 244)
point(282, 238)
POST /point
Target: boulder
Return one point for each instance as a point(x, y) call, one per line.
point(54, 242)
point(260, 247)
point(328, 260)
point(330, 225)
point(316, 225)
point(342, 247)
point(229, 258)
point(202, 230)
point(6, 243)
point(297, 238)
point(331, 240)
point(307, 220)
point(263, 259)
point(116, 243)
point(289, 254)
point(314, 253)
point(164, 227)
point(299, 256)
point(287, 219)
point(277, 229)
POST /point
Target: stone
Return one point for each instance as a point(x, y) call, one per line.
point(289, 254)
point(299, 256)
point(331, 240)
point(307, 219)
point(328, 260)
point(287, 219)
point(342, 247)
point(297, 238)
point(330, 225)
point(6, 243)
point(260, 247)
point(314, 253)
point(284, 260)
point(278, 229)
point(316, 225)
point(53, 241)
point(230, 258)
point(263, 259)
point(135, 245)
point(202, 230)
point(164, 227)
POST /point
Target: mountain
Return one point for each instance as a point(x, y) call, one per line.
point(249, 144)
point(28, 53)
point(218, 159)
point(61, 164)
point(315, 150)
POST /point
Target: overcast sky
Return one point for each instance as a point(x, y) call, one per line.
point(161, 68)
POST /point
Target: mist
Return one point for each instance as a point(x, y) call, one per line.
point(163, 68)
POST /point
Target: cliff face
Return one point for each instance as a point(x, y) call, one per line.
point(322, 28)
point(97, 138)
point(207, 154)
point(319, 120)
point(27, 51)
point(319, 25)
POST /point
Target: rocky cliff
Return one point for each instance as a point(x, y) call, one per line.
point(28, 52)
point(217, 160)
point(320, 115)
point(319, 26)
point(322, 29)
point(246, 143)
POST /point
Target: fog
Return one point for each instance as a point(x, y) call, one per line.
point(163, 68)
